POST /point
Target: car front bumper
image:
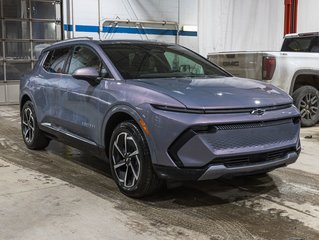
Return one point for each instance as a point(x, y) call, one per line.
point(215, 171)
point(208, 146)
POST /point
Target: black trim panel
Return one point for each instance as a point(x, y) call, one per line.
point(177, 144)
point(247, 159)
point(178, 174)
point(95, 150)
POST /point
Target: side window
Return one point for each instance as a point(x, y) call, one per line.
point(55, 60)
point(85, 57)
point(180, 63)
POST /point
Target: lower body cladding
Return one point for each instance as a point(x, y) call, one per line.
point(211, 150)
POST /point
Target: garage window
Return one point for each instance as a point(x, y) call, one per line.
point(26, 27)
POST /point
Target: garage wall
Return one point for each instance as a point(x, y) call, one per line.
point(25, 27)
point(223, 25)
point(227, 25)
point(86, 19)
point(308, 19)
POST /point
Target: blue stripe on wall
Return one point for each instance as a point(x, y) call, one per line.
point(128, 30)
point(68, 27)
point(190, 34)
point(132, 30)
point(86, 28)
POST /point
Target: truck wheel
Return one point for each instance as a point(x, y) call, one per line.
point(306, 99)
point(130, 161)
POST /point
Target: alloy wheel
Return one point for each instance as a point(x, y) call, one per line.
point(126, 162)
point(309, 106)
point(28, 125)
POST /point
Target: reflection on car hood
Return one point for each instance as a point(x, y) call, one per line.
point(217, 93)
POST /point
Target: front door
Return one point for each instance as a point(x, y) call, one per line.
point(82, 102)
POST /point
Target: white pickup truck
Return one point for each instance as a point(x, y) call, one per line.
point(295, 69)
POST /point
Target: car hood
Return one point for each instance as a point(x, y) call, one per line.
point(217, 93)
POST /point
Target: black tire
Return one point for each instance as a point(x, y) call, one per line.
point(33, 138)
point(306, 99)
point(143, 181)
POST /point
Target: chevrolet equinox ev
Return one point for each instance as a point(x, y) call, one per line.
point(156, 112)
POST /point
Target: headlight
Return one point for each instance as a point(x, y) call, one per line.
point(177, 109)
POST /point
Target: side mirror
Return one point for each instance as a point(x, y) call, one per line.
point(87, 73)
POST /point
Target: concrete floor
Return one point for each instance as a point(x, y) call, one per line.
point(62, 193)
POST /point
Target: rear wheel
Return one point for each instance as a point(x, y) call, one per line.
point(306, 99)
point(33, 137)
point(130, 161)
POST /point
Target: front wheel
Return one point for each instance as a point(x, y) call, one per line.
point(306, 99)
point(130, 161)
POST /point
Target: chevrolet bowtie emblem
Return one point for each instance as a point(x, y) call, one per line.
point(257, 111)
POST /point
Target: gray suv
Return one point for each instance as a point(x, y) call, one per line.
point(157, 112)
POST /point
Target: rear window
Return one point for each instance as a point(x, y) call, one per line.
point(301, 44)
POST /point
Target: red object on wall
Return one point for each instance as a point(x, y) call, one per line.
point(291, 9)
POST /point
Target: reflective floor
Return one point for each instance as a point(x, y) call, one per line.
point(63, 193)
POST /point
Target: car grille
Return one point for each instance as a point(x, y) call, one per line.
point(248, 137)
point(253, 158)
point(252, 125)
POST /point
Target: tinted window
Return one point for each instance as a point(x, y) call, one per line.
point(301, 44)
point(159, 61)
point(183, 64)
point(55, 60)
point(85, 57)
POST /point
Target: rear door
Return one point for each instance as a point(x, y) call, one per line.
point(48, 84)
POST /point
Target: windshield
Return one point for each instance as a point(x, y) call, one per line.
point(140, 61)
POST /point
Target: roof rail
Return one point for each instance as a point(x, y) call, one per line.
point(73, 39)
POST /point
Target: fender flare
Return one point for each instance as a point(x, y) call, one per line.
point(129, 110)
point(26, 93)
point(301, 72)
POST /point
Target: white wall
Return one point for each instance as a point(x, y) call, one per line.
point(86, 14)
point(308, 18)
point(226, 25)
point(223, 25)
